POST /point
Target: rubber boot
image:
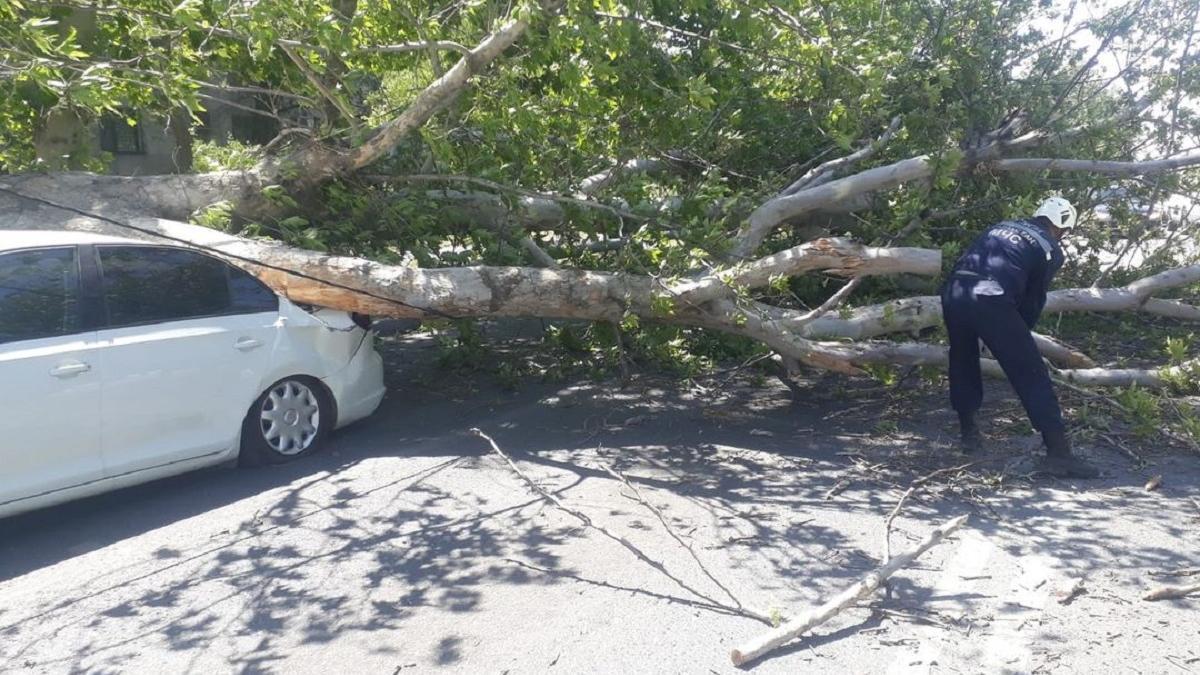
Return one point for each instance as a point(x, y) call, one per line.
point(971, 441)
point(1060, 462)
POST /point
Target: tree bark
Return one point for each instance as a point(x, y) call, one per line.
point(917, 313)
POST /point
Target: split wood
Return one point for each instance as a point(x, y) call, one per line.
point(756, 648)
point(1168, 592)
point(705, 600)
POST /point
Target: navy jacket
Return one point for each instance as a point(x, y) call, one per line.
point(1020, 256)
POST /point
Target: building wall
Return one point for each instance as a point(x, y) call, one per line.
point(158, 156)
point(64, 142)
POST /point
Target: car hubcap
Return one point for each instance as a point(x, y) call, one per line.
point(291, 416)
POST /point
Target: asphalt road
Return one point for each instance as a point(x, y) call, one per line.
point(406, 547)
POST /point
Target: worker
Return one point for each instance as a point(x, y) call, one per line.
point(996, 293)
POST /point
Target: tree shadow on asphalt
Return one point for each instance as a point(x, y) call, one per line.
point(744, 457)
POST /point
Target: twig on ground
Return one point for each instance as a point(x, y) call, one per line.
point(587, 522)
point(639, 498)
point(756, 648)
point(1136, 458)
point(887, 526)
point(1169, 592)
point(1185, 572)
point(918, 483)
point(837, 489)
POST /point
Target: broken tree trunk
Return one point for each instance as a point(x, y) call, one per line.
point(358, 285)
point(789, 631)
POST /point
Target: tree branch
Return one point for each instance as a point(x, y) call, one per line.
point(825, 171)
point(429, 45)
point(838, 256)
point(598, 181)
point(330, 95)
point(438, 94)
point(1183, 161)
point(501, 187)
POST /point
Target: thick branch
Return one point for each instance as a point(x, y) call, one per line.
point(598, 181)
point(431, 45)
point(825, 171)
point(917, 313)
point(766, 217)
point(836, 192)
point(1175, 163)
point(836, 256)
point(501, 187)
point(850, 356)
point(436, 95)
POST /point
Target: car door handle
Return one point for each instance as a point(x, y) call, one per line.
point(246, 344)
point(70, 369)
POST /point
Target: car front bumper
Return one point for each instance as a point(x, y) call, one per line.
point(358, 388)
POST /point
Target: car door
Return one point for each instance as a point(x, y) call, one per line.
point(186, 343)
point(49, 376)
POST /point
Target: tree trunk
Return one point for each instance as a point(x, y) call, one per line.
point(358, 285)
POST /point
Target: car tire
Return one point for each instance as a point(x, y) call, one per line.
point(291, 419)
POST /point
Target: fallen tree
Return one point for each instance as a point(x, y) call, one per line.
point(718, 292)
point(359, 285)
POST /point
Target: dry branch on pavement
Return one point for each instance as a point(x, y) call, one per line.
point(753, 649)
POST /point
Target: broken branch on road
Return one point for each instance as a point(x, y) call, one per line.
point(792, 629)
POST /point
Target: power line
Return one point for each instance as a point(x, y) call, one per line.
point(225, 254)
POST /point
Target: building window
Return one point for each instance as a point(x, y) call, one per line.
point(120, 137)
point(253, 129)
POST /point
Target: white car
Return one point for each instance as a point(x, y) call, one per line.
point(122, 362)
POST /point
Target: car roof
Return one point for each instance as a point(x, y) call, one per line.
point(15, 239)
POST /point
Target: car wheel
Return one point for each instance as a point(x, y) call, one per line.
point(289, 420)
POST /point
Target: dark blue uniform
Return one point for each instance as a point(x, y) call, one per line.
point(996, 294)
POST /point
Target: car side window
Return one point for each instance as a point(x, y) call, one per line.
point(39, 294)
point(147, 284)
point(249, 295)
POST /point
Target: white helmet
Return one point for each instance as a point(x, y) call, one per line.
point(1058, 211)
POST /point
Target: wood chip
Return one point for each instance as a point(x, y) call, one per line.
point(1153, 483)
point(762, 432)
point(837, 489)
point(1073, 591)
point(1168, 592)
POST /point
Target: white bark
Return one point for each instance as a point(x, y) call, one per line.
point(1061, 354)
point(828, 195)
point(845, 357)
point(598, 181)
point(826, 170)
point(766, 217)
point(174, 196)
point(917, 313)
point(1142, 168)
point(838, 256)
point(436, 96)
point(358, 285)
